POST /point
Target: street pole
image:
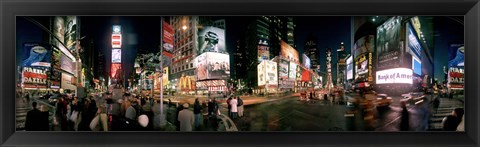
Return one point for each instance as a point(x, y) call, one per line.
point(162, 115)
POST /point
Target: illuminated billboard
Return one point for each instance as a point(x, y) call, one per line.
point(350, 68)
point(115, 70)
point(211, 39)
point(306, 61)
point(456, 55)
point(261, 74)
point(288, 52)
point(292, 72)
point(36, 55)
point(34, 77)
point(416, 66)
point(70, 32)
point(263, 53)
point(267, 73)
point(116, 55)
point(167, 39)
point(364, 45)
point(67, 64)
point(68, 82)
point(212, 65)
point(395, 76)
point(283, 69)
point(456, 77)
point(200, 67)
point(388, 43)
point(165, 76)
point(116, 40)
point(414, 46)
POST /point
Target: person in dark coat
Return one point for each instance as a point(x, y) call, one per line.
point(197, 111)
point(229, 107)
point(451, 122)
point(61, 113)
point(404, 124)
point(33, 117)
point(436, 104)
point(210, 108)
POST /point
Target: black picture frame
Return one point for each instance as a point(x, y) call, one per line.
point(11, 9)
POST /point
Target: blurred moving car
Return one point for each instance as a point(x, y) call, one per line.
point(413, 97)
point(383, 100)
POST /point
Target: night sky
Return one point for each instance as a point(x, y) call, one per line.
point(141, 34)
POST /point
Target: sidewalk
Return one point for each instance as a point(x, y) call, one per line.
point(247, 100)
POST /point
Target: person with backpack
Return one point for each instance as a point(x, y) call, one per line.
point(240, 107)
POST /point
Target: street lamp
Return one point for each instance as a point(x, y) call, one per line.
point(184, 27)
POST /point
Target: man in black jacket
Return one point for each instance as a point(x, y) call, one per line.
point(34, 116)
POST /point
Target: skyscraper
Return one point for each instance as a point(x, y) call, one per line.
point(262, 41)
point(311, 51)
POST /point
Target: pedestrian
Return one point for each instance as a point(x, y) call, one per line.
point(404, 124)
point(229, 107)
point(27, 97)
point(61, 113)
point(177, 122)
point(147, 111)
point(210, 108)
point(74, 115)
point(130, 112)
point(451, 122)
point(33, 117)
point(44, 119)
point(197, 109)
point(186, 118)
point(240, 106)
point(311, 95)
point(461, 126)
point(234, 108)
point(436, 104)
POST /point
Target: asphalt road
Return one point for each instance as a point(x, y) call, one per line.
point(290, 114)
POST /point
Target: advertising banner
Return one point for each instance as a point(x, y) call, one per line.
point(414, 46)
point(56, 59)
point(165, 76)
point(167, 39)
point(116, 55)
point(115, 70)
point(364, 45)
point(388, 43)
point(67, 64)
point(218, 66)
point(68, 82)
point(288, 52)
point(261, 73)
point(306, 76)
point(289, 84)
point(271, 72)
point(212, 66)
point(396, 75)
point(350, 68)
point(116, 40)
point(456, 77)
point(211, 39)
point(55, 78)
point(59, 28)
point(283, 69)
point(70, 32)
point(34, 77)
point(416, 66)
point(36, 55)
point(306, 61)
point(186, 83)
point(456, 54)
point(292, 74)
point(200, 63)
point(263, 53)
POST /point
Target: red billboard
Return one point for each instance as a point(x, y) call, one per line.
point(167, 38)
point(305, 75)
point(116, 67)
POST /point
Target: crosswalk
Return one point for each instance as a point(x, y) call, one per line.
point(445, 108)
